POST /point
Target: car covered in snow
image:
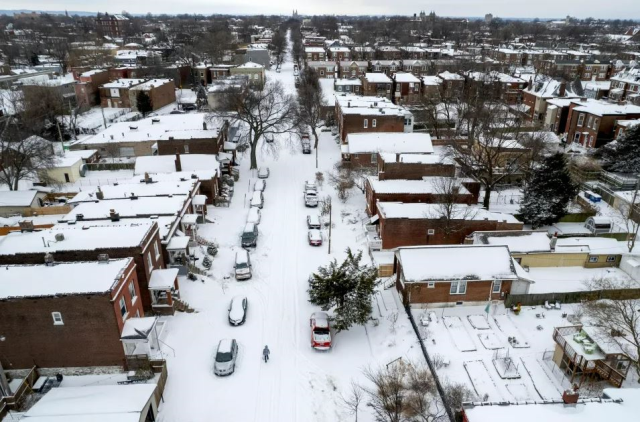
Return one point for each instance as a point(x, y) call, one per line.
point(263, 172)
point(238, 310)
point(310, 198)
point(225, 359)
point(315, 237)
point(254, 215)
point(320, 331)
point(313, 222)
point(260, 185)
point(310, 185)
point(257, 199)
point(306, 144)
point(242, 265)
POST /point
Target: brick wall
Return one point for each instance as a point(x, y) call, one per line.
point(428, 198)
point(195, 146)
point(162, 95)
point(354, 123)
point(413, 171)
point(397, 232)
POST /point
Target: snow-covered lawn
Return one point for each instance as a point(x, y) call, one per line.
point(298, 383)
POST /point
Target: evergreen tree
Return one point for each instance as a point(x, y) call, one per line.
point(143, 103)
point(623, 155)
point(201, 98)
point(347, 287)
point(547, 195)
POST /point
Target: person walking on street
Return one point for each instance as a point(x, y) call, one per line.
point(265, 354)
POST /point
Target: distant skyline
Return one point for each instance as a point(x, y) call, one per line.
point(544, 9)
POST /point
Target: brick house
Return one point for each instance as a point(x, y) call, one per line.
point(348, 86)
point(414, 166)
point(388, 67)
point(364, 149)
point(116, 93)
point(363, 52)
point(415, 67)
point(406, 88)
point(339, 53)
point(509, 87)
point(419, 224)
point(412, 52)
point(352, 69)
point(220, 71)
point(324, 69)
point(432, 87)
point(428, 190)
point(437, 276)
point(452, 84)
point(67, 314)
point(141, 243)
point(254, 71)
point(162, 92)
point(210, 140)
point(377, 85)
point(356, 114)
point(592, 123)
point(626, 85)
point(315, 54)
point(535, 96)
point(114, 26)
point(388, 52)
point(623, 125)
point(88, 86)
point(580, 69)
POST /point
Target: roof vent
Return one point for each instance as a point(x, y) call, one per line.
point(155, 120)
point(133, 127)
point(113, 215)
point(79, 217)
point(59, 237)
point(48, 259)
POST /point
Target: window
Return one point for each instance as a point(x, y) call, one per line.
point(365, 123)
point(589, 121)
point(497, 284)
point(186, 149)
point(156, 250)
point(322, 73)
point(595, 124)
point(115, 92)
point(123, 308)
point(57, 318)
point(580, 119)
point(431, 284)
point(593, 259)
point(374, 158)
point(407, 121)
point(458, 287)
point(611, 258)
point(373, 123)
point(576, 137)
point(149, 261)
point(431, 232)
point(132, 292)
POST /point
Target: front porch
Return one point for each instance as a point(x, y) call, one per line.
point(164, 291)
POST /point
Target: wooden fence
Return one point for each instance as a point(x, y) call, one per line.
point(571, 297)
point(110, 166)
point(160, 367)
point(58, 209)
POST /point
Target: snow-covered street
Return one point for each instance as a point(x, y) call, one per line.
point(298, 383)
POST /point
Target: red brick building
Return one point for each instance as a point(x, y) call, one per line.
point(454, 275)
point(114, 26)
point(406, 89)
point(423, 224)
point(365, 149)
point(352, 69)
point(116, 93)
point(324, 69)
point(355, 114)
point(377, 85)
point(88, 86)
point(592, 123)
point(414, 166)
point(315, 54)
point(67, 314)
point(161, 91)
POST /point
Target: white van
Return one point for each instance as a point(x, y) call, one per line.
point(254, 215)
point(242, 265)
point(257, 199)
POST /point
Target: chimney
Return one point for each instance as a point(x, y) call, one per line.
point(570, 397)
point(113, 215)
point(554, 240)
point(204, 125)
point(562, 89)
point(99, 193)
point(147, 179)
point(178, 162)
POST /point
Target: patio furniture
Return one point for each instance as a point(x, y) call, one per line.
point(579, 337)
point(589, 348)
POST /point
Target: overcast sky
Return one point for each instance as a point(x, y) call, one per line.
point(626, 9)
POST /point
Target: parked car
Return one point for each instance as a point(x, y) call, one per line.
point(238, 310)
point(320, 331)
point(254, 215)
point(260, 185)
point(310, 198)
point(268, 139)
point(306, 144)
point(263, 172)
point(249, 235)
point(315, 237)
point(177, 112)
point(242, 265)
point(257, 199)
point(225, 359)
point(310, 185)
point(313, 222)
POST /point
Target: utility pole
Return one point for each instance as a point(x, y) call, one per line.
point(329, 252)
point(104, 119)
point(60, 135)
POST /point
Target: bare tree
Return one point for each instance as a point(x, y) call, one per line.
point(628, 215)
point(353, 401)
point(451, 214)
point(22, 159)
point(279, 45)
point(311, 103)
point(618, 320)
point(266, 111)
point(403, 391)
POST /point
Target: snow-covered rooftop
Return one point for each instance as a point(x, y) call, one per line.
point(448, 76)
point(354, 104)
point(163, 279)
point(434, 211)
point(153, 83)
point(603, 108)
point(101, 403)
point(139, 189)
point(526, 242)
point(356, 82)
point(250, 65)
point(471, 262)
point(178, 126)
point(593, 245)
point(314, 50)
point(428, 185)
point(413, 158)
point(123, 83)
point(572, 279)
point(76, 237)
point(166, 163)
point(359, 143)
point(140, 207)
point(61, 278)
point(17, 198)
point(431, 80)
point(377, 78)
point(406, 78)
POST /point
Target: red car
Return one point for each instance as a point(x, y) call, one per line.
point(320, 331)
point(315, 237)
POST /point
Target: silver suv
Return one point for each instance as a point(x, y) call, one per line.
point(226, 355)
